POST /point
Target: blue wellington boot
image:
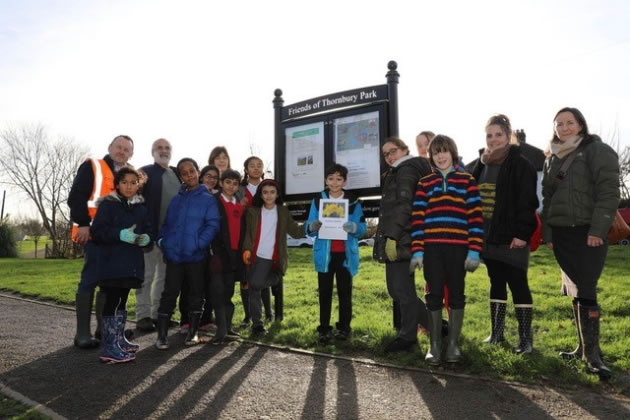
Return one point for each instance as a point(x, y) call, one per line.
point(110, 350)
point(123, 343)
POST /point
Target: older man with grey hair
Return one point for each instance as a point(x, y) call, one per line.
point(161, 186)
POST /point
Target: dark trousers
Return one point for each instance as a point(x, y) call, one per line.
point(206, 317)
point(402, 288)
point(222, 286)
point(344, 292)
point(502, 274)
point(89, 273)
point(582, 263)
point(444, 264)
point(260, 276)
point(194, 276)
point(115, 299)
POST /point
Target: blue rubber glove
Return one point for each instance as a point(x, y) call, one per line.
point(390, 250)
point(127, 235)
point(417, 261)
point(314, 226)
point(472, 261)
point(350, 227)
point(143, 240)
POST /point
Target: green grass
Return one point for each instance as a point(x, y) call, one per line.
point(11, 409)
point(28, 246)
point(372, 326)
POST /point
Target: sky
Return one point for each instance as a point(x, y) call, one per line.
point(202, 74)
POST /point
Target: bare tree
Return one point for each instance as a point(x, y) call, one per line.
point(34, 229)
point(613, 139)
point(44, 171)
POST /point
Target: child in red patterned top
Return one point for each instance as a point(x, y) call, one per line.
point(447, 236)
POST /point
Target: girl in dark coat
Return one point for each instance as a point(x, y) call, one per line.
point(121, 227)
point(507, 185)
point(393, 239)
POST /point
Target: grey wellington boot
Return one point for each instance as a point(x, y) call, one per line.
point(455, 322)
point(435, 333)
point(83, 337)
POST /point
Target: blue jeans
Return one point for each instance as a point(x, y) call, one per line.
point(89, 274)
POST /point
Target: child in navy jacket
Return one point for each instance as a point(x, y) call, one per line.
point(121, 227)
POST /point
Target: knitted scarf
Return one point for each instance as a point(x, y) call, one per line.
point(563, 148)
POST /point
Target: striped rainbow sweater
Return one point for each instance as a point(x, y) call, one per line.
point(447, 210)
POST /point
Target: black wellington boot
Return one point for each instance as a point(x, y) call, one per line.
point(577, 353)
point(497, 318)
point(99, 304)
point(162, 330)
point(83, 337)
point(192, 339)
point(525, 334)
point(278, 301)
point(589, 322)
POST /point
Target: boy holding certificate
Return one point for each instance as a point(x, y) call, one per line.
point(332, 256)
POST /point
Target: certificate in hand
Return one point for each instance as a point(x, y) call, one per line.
point(333, 213)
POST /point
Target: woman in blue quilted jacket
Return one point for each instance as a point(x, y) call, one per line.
point(192, 221)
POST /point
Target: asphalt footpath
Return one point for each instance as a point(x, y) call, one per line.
point(244, 380)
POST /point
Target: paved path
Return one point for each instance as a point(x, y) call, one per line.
point(247, 381)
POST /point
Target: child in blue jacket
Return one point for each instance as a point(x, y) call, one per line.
point(336, 257)
point(192, 221)
point(121, 227)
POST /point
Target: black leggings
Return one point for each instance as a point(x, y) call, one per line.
point(502, 274)
point(115, 299)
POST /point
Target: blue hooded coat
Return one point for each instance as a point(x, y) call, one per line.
point(192, 222)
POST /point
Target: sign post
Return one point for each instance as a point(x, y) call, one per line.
point(346, 127)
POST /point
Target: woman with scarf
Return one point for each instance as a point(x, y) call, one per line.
point(507, 185)
point(580, 197)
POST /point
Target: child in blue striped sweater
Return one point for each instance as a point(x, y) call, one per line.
point(447, 236)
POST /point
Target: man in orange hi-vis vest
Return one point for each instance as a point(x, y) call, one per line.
point(95, 179)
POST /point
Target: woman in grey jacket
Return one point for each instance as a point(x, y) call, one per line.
point(393, 238)
point(579, 205)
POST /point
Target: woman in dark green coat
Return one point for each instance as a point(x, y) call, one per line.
point(579, 204)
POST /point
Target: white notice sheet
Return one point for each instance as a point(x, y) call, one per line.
point(333, 213)
point(305, 158)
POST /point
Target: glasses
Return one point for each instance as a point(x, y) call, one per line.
point(391, 151)
point(210, 176)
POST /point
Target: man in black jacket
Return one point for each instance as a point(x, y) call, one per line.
point(95, 179)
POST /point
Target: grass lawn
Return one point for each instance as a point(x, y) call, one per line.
point(11, 409)
point(372, 323)
point(28, 246)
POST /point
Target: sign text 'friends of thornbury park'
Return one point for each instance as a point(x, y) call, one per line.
point(336, 100)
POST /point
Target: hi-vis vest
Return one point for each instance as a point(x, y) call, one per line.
point(103, 185)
